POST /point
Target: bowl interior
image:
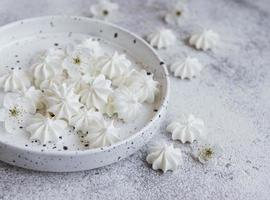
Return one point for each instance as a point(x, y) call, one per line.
point(20, 41)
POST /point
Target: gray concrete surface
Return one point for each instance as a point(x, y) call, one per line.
point(231, 95)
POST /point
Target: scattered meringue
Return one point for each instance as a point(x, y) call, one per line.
point(205, 40)
point(104, 10)
point(126, 104)
point(144, 86)
point(161, 38)
point(46, 129)
point(207, 153)
point(187, 128)
point(96, 93)
point(188, 68)
point(15, 112)
point(47, 65)
point(15, 79)
point(105, 135)
point(175, 14)
point(63, 102)
point(113, 66)
point(165, 157)
point(85, 119)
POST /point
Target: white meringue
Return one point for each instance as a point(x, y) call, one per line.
point(47, 65)
point(165, 157)
point(114, 65)
point(109, 108)
point(105, 135)
point(188, 68)
point(63, 102)
point(204, 40)
point(14, 79)
point(34, 96)
point(125, 78)
point(96, 93)
point(85, 120)
point(92, 46)
point(161, 38)
point(46, 129)
point(15, 112)
point(126, 104)
point(187, 128)
point(144, 86)
point(48, 83)
point(104, 10)
point(175, 14)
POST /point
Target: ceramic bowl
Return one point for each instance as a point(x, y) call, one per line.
point(18, 40)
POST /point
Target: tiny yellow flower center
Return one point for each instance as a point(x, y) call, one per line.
point(178, 13)
point(207, 153)
point(14, 112)
point(105, 12)
point(77, 60)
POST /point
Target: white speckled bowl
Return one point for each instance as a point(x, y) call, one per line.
point(15, 46)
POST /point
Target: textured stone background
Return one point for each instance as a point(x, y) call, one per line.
point(231, 95)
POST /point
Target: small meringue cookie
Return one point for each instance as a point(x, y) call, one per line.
point(48, 83)
point(85, 119)
point(165, 157)
point(205, 40)
point(161, 38)
point(114, 65)
point(96, 93)
point(46, 129)
point(188, 68)
point(105, 135)
point(63, 102)
point(47, 65)
point(34, 96)
point(187, 128)
point(125, 78)
point(143, 84)
point(92, 46)
point(104, 10)
point(126, 104)
point(175, 14)
point(12, 80)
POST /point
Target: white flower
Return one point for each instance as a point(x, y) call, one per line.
point(104, 10)
point(14, 79)
point(187, 128)
point(47, 65)
point(46, 129)
point(143, 84)
point(105, 135)
point(114, 65)
point(207, 153)
point(15, 112)
point(77, 60)
point(175, 15)
point(161, 38)
point(63, 102)
point(126, 104)
point(96, 93)
point(165, 157)
point(85, 120)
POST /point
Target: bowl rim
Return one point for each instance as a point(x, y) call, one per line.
point(115, 145)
